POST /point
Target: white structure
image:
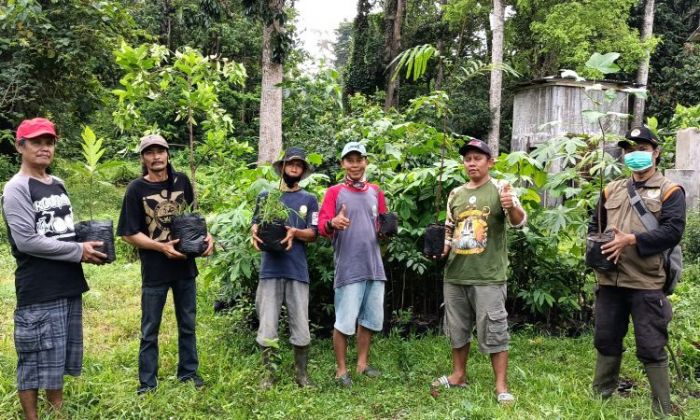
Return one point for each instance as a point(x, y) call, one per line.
point(552, 107)
point(687, 170)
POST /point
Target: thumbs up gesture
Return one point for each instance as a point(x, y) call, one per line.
point(507, 197)
point(341, 221)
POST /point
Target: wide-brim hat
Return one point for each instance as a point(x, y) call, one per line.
point(293, 153)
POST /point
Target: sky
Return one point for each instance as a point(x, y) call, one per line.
point(316, 22)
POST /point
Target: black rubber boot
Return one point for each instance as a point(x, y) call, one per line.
point(607, 374)
point(269, 360)
point(660, 385)
point(301, 361)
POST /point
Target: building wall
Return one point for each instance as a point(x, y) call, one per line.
point(554, 108)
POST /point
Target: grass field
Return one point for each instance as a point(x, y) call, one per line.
point(550, 376)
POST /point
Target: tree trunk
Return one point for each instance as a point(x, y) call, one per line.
point(439, 77)
point(394, 46)
point(643, 71)
point(193, 165)
point(167, 22)
point(270, 141)
point(496, 21)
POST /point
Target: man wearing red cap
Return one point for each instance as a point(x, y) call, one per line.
point(49, 279)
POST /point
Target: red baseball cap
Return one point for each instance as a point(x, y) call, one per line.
point(29, 129)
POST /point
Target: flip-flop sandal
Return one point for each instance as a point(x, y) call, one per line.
point(344, 380)
point(444, 382)
point(371, 372)
point(505, 398)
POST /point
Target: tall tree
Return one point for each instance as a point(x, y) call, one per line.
point(393, 15)
point(496, 21)
point(674, 75)
point(364, 71)
point(275, 46)
point(270, 142)
point(439, 77)
point(643, 71)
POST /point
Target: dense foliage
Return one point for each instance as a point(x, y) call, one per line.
point(191, 71)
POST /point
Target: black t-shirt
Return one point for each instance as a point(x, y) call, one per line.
point(148, 208)
point(39, 219)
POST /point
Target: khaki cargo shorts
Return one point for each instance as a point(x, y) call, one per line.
point(480, 307)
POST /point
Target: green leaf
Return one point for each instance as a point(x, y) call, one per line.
point(315, 158)
point(604, 63)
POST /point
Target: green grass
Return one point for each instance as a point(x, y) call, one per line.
point(549, 376)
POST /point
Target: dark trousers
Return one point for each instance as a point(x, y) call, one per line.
point(152, 303)
point(651, 312)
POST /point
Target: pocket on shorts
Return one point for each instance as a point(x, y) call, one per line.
point(497, 328)
point(33, 332)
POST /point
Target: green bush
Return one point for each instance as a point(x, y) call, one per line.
point(8, 167)
point(691, 238)
point(685, 329)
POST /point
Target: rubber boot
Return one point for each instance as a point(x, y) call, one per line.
point(269, 361)
point(660, 385)
point(607, 373)
point(301, 361)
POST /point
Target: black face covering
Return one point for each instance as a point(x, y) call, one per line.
point(290, 180)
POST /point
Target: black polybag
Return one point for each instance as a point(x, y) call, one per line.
point(388, 224)
point(98, 230)
point(191, 230)
point(271, 233)
point(434, 241)
point(594, 255)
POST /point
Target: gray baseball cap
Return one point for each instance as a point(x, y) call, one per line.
point(152, 140)
point(354, 146)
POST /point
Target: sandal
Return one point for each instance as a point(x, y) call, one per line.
point(444, 382)
point(344, 380)
point(505, 398)
point(371, 372)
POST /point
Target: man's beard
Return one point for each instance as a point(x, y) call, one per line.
point(291, 181)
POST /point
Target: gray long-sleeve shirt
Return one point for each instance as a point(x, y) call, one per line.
point(39, 219)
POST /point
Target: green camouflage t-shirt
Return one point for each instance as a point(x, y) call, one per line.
point(478, 255)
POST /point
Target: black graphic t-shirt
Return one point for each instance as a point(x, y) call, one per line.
point(39, 219)
point(147, 208)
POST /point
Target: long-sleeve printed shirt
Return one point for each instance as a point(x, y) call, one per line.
point(39, 219)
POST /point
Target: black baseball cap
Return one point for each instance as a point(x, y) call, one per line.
point(636, 134)
point(475, 144)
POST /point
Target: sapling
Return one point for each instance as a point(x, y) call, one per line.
point(95, 230)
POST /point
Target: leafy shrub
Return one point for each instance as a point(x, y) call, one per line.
point(685, 329)
point(8, 167)
point(691, 238)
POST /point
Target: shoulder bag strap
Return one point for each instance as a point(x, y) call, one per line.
point(648, 219)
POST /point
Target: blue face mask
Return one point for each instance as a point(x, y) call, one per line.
point(639, 160)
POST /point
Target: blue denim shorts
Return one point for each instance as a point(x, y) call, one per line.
point(359, 303)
